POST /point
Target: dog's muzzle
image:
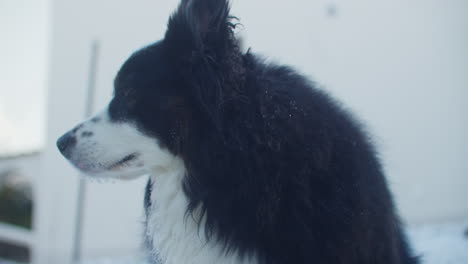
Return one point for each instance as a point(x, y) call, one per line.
point(66, 143)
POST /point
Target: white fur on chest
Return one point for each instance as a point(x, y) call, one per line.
point(176, 239)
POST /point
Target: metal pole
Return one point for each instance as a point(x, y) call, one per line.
point(77, 243)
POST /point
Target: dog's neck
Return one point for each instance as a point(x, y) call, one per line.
point(175, 237)
point(174, 167)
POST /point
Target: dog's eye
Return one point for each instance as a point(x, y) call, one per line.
point(130, 103)
point(118, 109)
point(168, 102)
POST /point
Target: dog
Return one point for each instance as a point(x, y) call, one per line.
point(248, 161)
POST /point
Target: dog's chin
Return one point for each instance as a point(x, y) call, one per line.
point(119, 175)
point(121, 169)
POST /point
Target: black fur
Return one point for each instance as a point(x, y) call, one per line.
point(280, 169)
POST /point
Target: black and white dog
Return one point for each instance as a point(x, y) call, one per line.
point(248, 161)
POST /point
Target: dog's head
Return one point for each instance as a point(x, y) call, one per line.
point(161, 94)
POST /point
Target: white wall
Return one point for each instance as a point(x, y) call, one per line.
point(400, 65)
point(24, 31)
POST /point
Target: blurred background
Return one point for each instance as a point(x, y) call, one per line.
point(400, 65)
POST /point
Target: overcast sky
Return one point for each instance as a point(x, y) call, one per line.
point(23, 74)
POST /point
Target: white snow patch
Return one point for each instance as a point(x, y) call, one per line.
point(441, 243)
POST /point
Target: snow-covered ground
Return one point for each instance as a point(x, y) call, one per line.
point(442, 243)
point(435, 243)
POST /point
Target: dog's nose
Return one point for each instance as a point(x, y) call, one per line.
point(65, 142)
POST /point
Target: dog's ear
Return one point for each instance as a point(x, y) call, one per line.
point(201, 42)
point(200, 26)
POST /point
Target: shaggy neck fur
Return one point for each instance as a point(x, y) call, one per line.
point(176, 237)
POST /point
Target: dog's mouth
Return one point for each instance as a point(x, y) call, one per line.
point(123, 162)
